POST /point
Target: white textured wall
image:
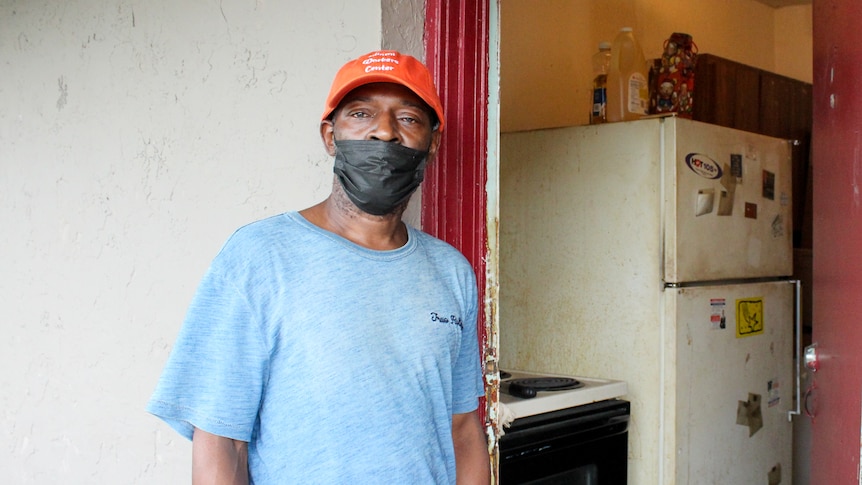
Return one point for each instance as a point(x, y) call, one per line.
point(135, 136)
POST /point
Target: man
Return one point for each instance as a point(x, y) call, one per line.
point(337, 344)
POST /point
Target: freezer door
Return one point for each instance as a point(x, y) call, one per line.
point(734, 371)
point(727, 203)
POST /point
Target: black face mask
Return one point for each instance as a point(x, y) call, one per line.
point(376, 175)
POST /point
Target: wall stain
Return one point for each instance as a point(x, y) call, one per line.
point(64, 93)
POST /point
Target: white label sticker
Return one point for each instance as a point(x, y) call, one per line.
point(638, 94)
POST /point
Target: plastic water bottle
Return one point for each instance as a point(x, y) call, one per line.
point(628, 84)
point(601, 63)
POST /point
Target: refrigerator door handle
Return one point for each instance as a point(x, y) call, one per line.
point(797, 351)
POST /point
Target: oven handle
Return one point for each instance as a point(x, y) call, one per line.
point(613, 422)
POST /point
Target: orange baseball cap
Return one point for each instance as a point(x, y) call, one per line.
point(384, 67)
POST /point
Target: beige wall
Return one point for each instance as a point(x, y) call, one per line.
point(794, 49)
point(546, 46)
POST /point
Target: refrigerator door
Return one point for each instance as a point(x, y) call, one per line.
point(580, 235)
point(734, 371)
point(727, 203)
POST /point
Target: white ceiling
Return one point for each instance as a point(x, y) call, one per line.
point(784, 3)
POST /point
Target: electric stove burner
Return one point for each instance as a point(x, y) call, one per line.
point(528, 387)
point(525, 398)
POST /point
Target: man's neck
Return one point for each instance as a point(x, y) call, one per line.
point(338, 215)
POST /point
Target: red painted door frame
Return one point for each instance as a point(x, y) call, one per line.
point(453, 196)
point(837, 263)
point(454, 199)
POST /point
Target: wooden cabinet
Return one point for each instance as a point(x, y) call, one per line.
point(731, 94)
point(727, 93)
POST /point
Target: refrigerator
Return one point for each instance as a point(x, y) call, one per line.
point(658, 252)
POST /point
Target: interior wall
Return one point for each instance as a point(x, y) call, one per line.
point(135, 137)
point(794, 42)
point(546, 46)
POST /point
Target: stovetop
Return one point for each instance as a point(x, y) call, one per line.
point(587, 390)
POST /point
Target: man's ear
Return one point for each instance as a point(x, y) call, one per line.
point(435, 144)
point(327, 134)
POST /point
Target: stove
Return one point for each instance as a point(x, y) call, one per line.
point(525, 395)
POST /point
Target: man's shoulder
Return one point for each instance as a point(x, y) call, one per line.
point(262, 234)
point(272, 226)
point(439, 248)
point(267, 223)
point(432, 241)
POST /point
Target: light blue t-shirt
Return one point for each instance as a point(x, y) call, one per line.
point(338, 364)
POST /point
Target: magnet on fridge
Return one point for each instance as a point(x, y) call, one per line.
point(705, 202)
point(750, 210)
point(717, 319)
point(749, 317)
point(748, 413)
point(736, 166)
point(768, 185)
point(773, 391)
point(725, 203)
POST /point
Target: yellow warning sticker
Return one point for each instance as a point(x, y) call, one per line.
point(749, 317)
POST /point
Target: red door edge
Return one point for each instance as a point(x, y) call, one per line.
point(454, 198)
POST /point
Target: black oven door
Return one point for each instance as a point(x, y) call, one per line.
point(584, 445)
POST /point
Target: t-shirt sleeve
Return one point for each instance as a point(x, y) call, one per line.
point(467, 378)
point(215, 374)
